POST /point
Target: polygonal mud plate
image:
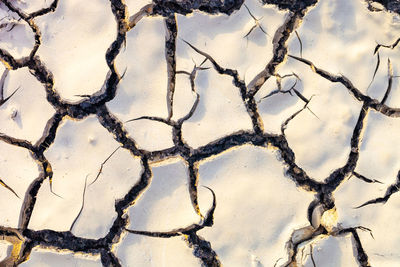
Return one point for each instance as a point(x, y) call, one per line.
point(199, 133)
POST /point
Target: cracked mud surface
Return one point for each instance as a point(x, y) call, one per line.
point(98, 174)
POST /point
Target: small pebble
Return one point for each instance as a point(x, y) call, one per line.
point(92, 140)
point(13, 113)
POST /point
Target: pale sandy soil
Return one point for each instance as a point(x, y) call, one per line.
point(65, 138)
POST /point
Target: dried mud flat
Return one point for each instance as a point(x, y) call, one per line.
point(199, 133)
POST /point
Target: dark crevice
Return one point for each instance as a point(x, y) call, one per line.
point(25, 239)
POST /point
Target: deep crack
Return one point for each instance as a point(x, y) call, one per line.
point(24, 239)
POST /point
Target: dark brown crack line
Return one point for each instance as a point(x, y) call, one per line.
point(365, 179)
point(256, 23)
point(82, 206)
point(293, 247)
point(2, 81)
point(193, 184)
point(361, 256)
point(102, 165)
point(128, 200)
point(378, 62)
point(249, 102)
point(44, 11)
point(338, 176)
point(286, 122)
point(17, 142)
point(49, 133)
point(300, 43)
point(32, 191)
point(280, 40)
point(292, 5)
point(2, 183)
point(279, 79)
point(184, 7)
point(394, 188)
point(170, 49)
point(29, 19)
point(201, 248)
point(390, 82)
point(66, 240)
point(115, 127)
point(392, 46)
point(108, 259)
point(370, 102)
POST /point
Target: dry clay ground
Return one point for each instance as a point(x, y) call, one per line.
point(189, 133)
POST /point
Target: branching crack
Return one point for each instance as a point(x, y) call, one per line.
point(24, 239)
